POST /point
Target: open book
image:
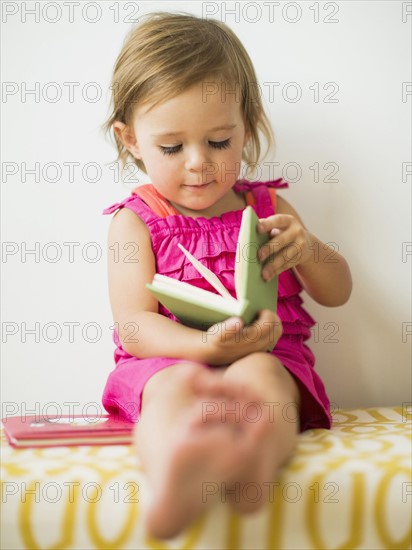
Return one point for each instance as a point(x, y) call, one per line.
point(201, 308)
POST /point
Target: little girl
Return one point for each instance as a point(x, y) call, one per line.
point(214, 408)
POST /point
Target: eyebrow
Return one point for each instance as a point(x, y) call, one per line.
point(215, 129)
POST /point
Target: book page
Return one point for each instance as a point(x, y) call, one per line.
point(210, 277)
point(239, 264)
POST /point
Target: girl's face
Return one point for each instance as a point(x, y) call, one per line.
point(192, 146)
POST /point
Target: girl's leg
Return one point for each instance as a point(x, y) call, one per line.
point(183, 445)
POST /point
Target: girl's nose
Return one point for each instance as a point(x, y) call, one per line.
point(196, 159)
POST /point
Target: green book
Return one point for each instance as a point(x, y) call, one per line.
point(201, 308)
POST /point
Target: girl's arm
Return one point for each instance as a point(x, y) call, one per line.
point(322, 271)
point(142, 330)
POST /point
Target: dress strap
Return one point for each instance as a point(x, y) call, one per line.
point(250, 199)
point(155, 200)
point(137, 205)
point(262, 195)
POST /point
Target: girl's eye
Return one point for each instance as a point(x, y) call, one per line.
point(173, 149)
point(170, 150)
point(220, 144)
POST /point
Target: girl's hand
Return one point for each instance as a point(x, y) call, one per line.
point(290, 244)
point(232, 340)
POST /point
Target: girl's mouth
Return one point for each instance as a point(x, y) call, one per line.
point(198, 185)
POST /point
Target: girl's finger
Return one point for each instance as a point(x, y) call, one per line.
point(280, 221)
point(286, 258)
point(275, 245)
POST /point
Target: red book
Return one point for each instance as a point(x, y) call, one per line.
point(52, 431)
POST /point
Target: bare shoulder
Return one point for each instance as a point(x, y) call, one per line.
point(125, 224)
point(284, 207)
point(131, 264)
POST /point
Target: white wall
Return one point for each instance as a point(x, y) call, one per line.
point(362, 59)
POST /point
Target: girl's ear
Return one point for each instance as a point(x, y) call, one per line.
point(127, 137)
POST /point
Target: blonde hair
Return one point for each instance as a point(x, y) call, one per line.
point(168, 53)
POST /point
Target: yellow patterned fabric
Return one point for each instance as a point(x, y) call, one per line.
point(349, 487)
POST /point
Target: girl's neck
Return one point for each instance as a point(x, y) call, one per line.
point(230, 202)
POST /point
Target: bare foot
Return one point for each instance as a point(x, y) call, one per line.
point(207, 452)
point(255, 486)
point(258, 418)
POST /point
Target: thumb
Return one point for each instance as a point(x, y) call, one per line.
point(233, 324)
point(268, 316)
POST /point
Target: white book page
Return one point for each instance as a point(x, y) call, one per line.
point(207, 274)
point(239, 261)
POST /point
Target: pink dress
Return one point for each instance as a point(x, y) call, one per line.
point(213, 241)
